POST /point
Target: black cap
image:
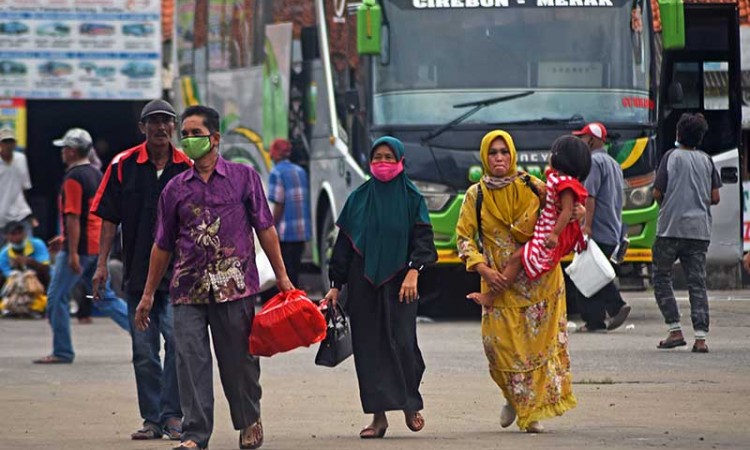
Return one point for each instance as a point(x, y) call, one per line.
point(13, 226)
point(157, 106)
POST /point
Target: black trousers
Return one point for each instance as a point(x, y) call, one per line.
point(594, 310)
point(291, 253)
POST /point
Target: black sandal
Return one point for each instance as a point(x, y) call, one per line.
point(182, 446)
point(173, 431)
point(671, 343)
point(149, 431)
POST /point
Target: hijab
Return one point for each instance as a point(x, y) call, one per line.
point(378, 218)
point(508, 198)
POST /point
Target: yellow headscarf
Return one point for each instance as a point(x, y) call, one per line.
point(515, 204)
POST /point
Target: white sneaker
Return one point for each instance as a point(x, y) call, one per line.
point(535, 427)
point(507, 416)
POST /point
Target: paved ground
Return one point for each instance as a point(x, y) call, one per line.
point(630, 395)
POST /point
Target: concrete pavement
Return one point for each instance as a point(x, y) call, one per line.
point(630, 395)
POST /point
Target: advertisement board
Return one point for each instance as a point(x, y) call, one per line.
point(80, 49)
point(13, 116)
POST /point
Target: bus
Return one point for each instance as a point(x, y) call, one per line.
point(439, 74)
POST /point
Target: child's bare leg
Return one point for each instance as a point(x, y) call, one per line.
point(509, 274)
point(513, 268)
point(485, 299)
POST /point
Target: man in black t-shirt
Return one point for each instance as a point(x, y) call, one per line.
point(128, 196)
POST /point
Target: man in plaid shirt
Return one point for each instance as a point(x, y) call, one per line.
point(290, 194)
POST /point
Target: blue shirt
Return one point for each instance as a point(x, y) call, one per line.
point(288, 186)
point(605, 185)
point(35, 249)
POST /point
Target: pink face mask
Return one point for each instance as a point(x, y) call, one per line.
point(386, 171)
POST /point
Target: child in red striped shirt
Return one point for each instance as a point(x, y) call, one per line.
point(555, 235)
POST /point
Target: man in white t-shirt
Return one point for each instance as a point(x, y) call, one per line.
point(14, 178)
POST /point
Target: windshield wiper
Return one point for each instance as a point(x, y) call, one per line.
point(575, 118)
point(477, 106)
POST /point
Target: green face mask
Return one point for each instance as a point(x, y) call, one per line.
point(196, 147)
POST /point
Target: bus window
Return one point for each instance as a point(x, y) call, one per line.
point(688, 75)
point(715, 85)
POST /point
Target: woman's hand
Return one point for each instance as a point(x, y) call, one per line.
point(494, 279)
point(332, 297)
point(408, 292)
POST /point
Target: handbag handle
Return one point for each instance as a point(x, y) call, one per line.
point(331, 313)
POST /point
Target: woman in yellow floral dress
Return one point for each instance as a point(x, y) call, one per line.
point(524, 326)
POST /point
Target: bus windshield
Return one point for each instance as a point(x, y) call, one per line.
point(578, 60)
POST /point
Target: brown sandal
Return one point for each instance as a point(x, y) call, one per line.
point(414, 421)
point(700, 348)
point(252, 436)
point(372, 433)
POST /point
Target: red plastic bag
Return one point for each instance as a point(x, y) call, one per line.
point(287, 321)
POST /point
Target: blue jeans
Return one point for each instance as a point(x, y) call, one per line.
point(63, 281)
point(158, 396)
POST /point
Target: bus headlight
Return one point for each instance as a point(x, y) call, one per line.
point(638, 192)
point(639, 197)
point(435, 195)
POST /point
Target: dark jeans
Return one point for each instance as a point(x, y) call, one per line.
point(594, 309)
point(158, 396)
point(291, 252)
point(692, 256)
point(230, 324)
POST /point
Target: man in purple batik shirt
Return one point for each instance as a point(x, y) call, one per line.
point(206, 217)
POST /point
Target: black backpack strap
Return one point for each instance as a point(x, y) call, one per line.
point(478, 206)
point(527, 181)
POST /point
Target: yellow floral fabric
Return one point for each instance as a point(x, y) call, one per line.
point(524, 333)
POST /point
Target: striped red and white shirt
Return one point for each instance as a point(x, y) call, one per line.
point(536, 257)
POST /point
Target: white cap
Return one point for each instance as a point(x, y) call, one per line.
point(7, 134)
point(76, 138)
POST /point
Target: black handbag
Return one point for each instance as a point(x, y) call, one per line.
point(337, 345)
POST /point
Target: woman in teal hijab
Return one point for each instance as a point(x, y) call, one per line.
point(385, 239)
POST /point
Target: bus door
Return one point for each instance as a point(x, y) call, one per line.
point(704, 77)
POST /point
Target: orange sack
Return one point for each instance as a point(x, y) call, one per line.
point(287, 321)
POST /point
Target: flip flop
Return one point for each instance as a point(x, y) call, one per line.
point(52, 359)
point(671, 343)
point(372, 433)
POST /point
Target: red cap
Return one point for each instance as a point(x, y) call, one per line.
point(595, 129)
point(280, 149)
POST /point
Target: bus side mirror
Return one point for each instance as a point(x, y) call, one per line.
point(369, 26)
point(675, 96)
point(351, 100)
point(672, 24)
